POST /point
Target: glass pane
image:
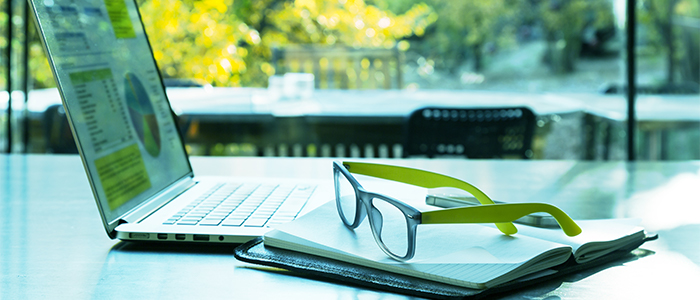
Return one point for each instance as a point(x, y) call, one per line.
point(477, 53)
point(4, 61)
point(374, 62)
point(568, 46)
point(25, 121)
point(13, 76)
point(668, 60)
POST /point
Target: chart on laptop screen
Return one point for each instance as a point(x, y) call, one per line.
point(114, 96)
point(143, 116)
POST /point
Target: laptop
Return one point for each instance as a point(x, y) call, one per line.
point(128, 139)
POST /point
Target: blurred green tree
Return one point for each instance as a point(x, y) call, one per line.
point(671, 25)
point(228, 43)
point(474, 23)
point(198, 39)
point(3, 46)
point(565, 21)
point(463, 30)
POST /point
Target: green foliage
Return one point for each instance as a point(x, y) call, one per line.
point(228, 43)
point(466, 26)
point(3, 44)
point(672, 40)
point(564, 23)
point(655, 15)
point(471, 29)
point(39, 68)
point(195, 39)
point(567, 19)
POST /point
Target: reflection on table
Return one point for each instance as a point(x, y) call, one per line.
point(53, 245)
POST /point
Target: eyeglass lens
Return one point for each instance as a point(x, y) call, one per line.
point(391, 226)
point(388, 222)
point(345, 195)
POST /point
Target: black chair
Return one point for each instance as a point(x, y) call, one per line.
point(470, 132)
point(58, 136)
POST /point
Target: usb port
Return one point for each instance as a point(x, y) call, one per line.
point(180, 237)
point(200, 237)
point(162, 236)
point(138, 235)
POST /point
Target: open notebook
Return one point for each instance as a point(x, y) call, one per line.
point(466, 255)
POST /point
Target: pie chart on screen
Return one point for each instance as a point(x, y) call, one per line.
point(143, 117)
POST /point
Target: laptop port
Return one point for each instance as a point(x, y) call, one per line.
point(200, 237)
point(139, 235)
point(162, 236)
point(180, 237)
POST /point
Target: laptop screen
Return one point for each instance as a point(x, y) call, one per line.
point(114, 98)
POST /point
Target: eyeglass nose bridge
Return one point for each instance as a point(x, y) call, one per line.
point(361, 212)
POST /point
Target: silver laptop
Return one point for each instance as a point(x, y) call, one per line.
point(128, 139)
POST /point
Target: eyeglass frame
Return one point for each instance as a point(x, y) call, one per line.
point(489, 212)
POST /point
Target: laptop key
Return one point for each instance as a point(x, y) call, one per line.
point(232, 222)
point(188, 222)
point(249, 205)
point(254, 222)
point(210, 222)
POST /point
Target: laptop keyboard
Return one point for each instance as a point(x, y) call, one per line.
point(251, 205)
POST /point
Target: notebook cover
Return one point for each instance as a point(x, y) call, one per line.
point(337, 271)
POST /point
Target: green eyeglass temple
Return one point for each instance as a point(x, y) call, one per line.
point(501, 214)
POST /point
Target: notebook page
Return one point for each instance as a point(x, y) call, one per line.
point(599, 237)
point(467, 255)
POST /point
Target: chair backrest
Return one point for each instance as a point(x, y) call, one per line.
point(342, 67)
point(58, 136)
point(470, 132)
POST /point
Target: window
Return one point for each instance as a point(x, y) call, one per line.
point(13, 75)
point(373, 62)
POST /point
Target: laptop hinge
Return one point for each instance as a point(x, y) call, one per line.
point(157, 201)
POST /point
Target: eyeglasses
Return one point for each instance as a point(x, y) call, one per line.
point(398, 238)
